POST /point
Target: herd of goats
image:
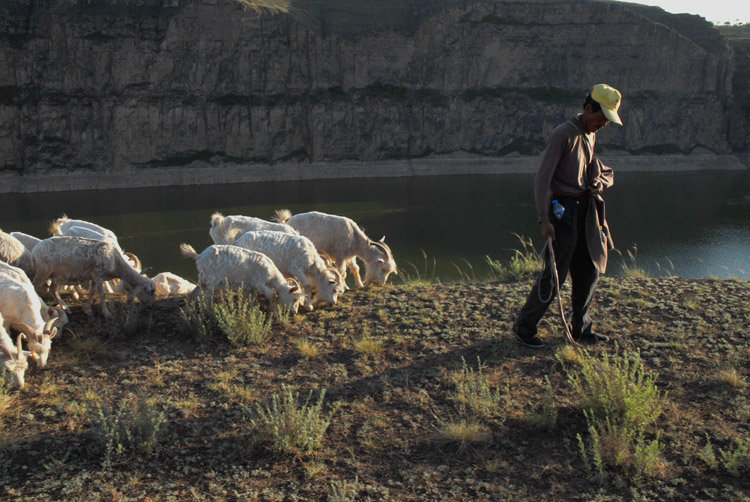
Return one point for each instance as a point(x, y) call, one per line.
point(297, 260)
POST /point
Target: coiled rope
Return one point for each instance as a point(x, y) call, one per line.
point(555, 288)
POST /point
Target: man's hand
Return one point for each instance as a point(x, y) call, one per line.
point(548, 231)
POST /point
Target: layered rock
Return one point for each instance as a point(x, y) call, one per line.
point(113, 85)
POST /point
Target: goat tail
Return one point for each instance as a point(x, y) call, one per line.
point(217, 221)
point(187, 251)
point(282, 215)
point(54, 228)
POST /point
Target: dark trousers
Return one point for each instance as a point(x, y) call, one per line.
point(571, 255)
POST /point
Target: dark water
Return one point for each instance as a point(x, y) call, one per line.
point(688, 225)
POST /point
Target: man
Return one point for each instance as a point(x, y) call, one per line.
point(570, 174)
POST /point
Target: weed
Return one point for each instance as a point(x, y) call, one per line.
point(289, 427)
point(133, 426)
point(730, 377)
point(124, 319)
point(546, 418)
point(630, 267)
point(618, 389)
point(708, 455)
point(6, 395)
point(473, 391)
point(460, 433)
point(736, 460)
point(568, 354)
point(419, 277)
point(232, 315)
point(524, 263)
point(368, 346)
point(620, 401)
point(344, 491)
point(308, 349)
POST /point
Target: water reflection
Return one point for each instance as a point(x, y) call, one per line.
point(700, 222)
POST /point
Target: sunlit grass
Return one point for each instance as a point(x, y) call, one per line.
point(524, 263)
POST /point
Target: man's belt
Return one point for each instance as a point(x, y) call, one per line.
point(570, 195)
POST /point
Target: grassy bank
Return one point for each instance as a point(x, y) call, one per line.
point(410, 392)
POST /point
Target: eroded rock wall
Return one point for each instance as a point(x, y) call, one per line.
point(114, 85)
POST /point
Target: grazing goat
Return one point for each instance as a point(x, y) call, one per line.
point(344, 241)
point(168, 283)
point(222, 265)
point(89, 230)
point(23, 309)
point(46, 311)
point(224, 229)
point(295, 256)
point(13, 358)
point(28, 241)
point(72, 260)
point(13, 252)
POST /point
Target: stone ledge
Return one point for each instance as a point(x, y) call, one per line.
point(206, 175)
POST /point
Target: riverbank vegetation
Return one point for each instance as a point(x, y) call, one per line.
point(415, 391)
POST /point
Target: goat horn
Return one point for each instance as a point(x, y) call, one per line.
point(7, 351)
point(386, 250)
point(138, 265)
point(24, 328)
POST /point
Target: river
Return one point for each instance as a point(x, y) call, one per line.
point(690, 225)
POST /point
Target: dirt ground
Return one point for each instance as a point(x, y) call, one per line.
point(388, 359)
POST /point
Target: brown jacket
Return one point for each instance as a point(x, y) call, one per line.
point(569, 167)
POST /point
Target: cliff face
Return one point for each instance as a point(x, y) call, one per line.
point(111, 85)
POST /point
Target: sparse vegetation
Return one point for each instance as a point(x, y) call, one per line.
point(524, 263)
point(290, 427)
point(451, 408)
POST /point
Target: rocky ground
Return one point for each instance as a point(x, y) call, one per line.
point(390, 360)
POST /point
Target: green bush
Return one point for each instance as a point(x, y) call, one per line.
point(524, 263)
point(231, 316)
point(134, 426)
point(290, 427)
point(474, 392)
point(620, 401)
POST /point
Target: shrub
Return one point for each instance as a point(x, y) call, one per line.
point(621, 401)
point(461, 433)
point(473, 391)
point(231, 316)
point(524, 263)
point(618, 389)
point(134, 426)
point(289, 427)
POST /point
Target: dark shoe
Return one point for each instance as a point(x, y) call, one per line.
point(532, 341)
point(591, 338)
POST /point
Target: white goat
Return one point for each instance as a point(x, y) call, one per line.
point(72, 260)
point(295, 256)
point(13, 252)
point(23, 309)
point(344, 241)
point(222, 265)
point(46, 311)
point(28, 241)
point(224, 229)
point(168, 283)
point(13, 358)
point(26, 317)
point(88, 230)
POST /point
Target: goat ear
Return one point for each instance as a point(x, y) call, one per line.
point(52, 333)
point(381, 261)
point(294, 289)
point(7, 351)
point(51, 311)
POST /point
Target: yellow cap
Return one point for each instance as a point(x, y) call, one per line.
point(609, 98)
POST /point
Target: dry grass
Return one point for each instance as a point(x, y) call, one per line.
point(399, 431)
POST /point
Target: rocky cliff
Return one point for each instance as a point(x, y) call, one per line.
point(114, 85)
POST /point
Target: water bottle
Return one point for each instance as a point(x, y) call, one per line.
point(557, 209)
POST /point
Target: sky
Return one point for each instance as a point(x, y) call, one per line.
point(716, 11)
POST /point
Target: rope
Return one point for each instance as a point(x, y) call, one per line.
point(554, 280)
